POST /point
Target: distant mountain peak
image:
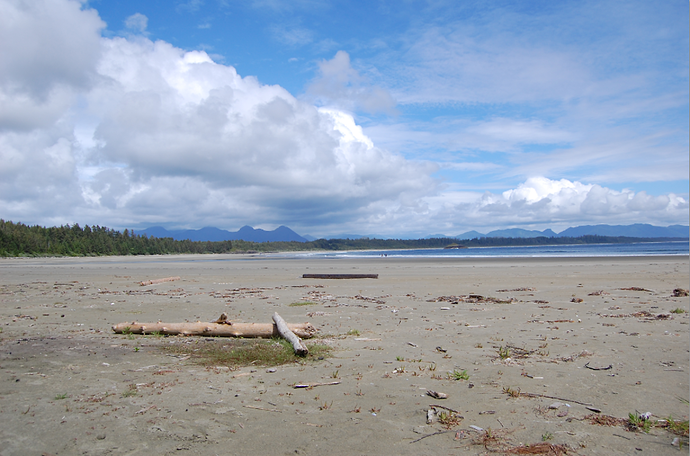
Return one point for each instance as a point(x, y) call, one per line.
point(210, 233)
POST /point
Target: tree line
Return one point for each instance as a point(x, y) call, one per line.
point(17, 239)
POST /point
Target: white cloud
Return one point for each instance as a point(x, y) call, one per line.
point(340, 85)
point(540, 202)
point(161, 134)
point(48, 52)
point(137, 22)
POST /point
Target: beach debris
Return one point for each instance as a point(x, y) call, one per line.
point(441, 350)
point(437, 395)
point(517, 289)
point(155, 281)
point(472, 299)
point(287, 334)
point(340, 276)
point(610, 366)
point(262, 408)
point(445, 408)
point(598, 293)
point(539, 448)
point(680, 293)
point(312, 385)
point(431, 416)
point(432, 434)
point(636, 289)
point(476, 428)
point(517, 393)
point(221, 327)
point(412, 344)
point(645, 315)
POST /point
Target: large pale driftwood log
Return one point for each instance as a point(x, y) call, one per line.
point(287, 334)
point(267, 330)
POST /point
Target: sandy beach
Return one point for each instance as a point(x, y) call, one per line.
point(568, 337)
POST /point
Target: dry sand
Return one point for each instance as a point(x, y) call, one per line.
point(66, 379)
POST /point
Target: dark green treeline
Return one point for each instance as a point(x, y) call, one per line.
point(17, 239)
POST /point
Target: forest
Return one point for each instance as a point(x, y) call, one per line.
point(17, 239)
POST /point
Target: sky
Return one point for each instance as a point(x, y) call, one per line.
point(397, 118)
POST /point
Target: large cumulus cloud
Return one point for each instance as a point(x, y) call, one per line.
point(139, 131)
point(540, 202)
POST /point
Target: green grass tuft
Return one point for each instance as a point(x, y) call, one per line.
point(458, 375)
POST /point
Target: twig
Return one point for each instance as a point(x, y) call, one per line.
point(622, 436)
point(144, 410)
point(554, 397)
point(311, 385)
point(429, 435)
point(265, 409)
point(599, 368)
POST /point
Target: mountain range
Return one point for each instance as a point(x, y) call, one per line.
point(285, 234)
point(209, 233)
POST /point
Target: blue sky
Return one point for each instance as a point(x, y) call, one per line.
point(400, 119)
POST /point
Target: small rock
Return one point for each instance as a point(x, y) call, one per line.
point(556, 405)
point(271, 370)
point(100, 436)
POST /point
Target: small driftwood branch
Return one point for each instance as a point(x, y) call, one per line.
point(265, 330)
point(599, 368)
point(264, 409)
point(311, 385)
point(557, 398)
point(152, 282)
point(285, 333)
point(430, 435)
point(340, 276)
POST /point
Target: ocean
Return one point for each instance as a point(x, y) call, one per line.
point(676, 248)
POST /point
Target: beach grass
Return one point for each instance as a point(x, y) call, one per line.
point(235, 353)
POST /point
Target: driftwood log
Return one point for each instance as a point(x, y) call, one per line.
point(225, 329)
point(155, 281)
point(340, 276)
point(287, 334)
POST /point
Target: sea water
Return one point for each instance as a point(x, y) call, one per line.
point(675, 248)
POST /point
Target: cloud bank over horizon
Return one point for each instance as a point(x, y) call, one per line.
point(127, 131)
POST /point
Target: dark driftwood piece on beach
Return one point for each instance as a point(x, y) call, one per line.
point(340, 276)
point(285, 333)
point(229, 329)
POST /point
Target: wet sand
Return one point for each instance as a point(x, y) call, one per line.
point(546, 327)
